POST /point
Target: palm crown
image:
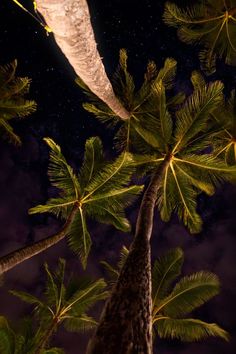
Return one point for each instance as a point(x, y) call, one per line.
point(64, 303)
point(175, 130)
point(23, 342)
point(99, 190)
point(171, 304)
point(212, 23)
point(12, 101)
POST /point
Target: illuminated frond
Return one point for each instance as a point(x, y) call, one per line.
point(187, 329)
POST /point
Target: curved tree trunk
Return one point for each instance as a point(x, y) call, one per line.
point(12, 259)
point(71, 26)
point(125, 326)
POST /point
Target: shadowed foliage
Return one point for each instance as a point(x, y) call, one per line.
point(12, 100)
point(210, 23)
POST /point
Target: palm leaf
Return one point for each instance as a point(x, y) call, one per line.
point(79, 239)
point(189, 293)
point(194, 114)
point(60, 173)
point(93, 159)
point(165, 270)
point(26, 297)
point(188, 329)
point(79, 324)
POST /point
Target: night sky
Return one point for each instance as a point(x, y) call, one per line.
point(136, 26)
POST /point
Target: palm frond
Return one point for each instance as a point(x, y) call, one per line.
point(61, 207)
point(60, 173)
point(93, 160)
point(79, 324)
point(189, 293)
point(165, 270)
point(85, 297)
point(79, 239)
point(114, 175)
point(6, 128)
point(26, 297)
point(194, 114)
point(188, 330)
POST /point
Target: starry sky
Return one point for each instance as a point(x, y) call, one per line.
point(136, 26)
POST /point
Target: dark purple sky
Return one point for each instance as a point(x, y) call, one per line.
point(137, 26)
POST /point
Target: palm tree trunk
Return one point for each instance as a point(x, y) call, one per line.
point(12, 259)
point(71, 26)
point(126, 324)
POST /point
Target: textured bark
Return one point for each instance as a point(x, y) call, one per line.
point(12, 259)
point(126, 324)
point(71, 26)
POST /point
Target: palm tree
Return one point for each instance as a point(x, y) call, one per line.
point(71, 26)
point(23, 342)
point(64, 303)
point(12, 100)
point(176, 137)
point(212, 23)
point(170, 305)
point(99, 191)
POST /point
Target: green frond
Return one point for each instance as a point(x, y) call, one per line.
point(188, 330)
point(164, 116)
point(17, 87)
point(167, 74)
point(82, 323)
point(123, 82)
point(19, 107)
point(93, 160)
point(175, 16)
point(112, 272)
point(151, 138)
point(26, 297)
point(6, 128)
point(102, 112)
point(85, 297)
point(176, 194)
point(60, 173)
point(61, 207)
point(189, 293)
point(7, 337)
point(208, 61)
point(114, 175)
point(7, 72)
point(165, 270)
point(79, 239)
point(197, 80)
point(109, 215)
point(207, 168)
point(194, 114)
point(123, 256)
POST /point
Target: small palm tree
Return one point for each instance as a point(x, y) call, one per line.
point(212, 23)
point(12, 100)
point(99, 191)
point(24, 342)
point(64, 303)
point(171, 304)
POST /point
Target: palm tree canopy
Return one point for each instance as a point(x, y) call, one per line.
point(173, 128)
point(171, 303)
point(23, 342)
point(212, 23)
point(65, 302)
point(100, 191)
point(12, 100)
